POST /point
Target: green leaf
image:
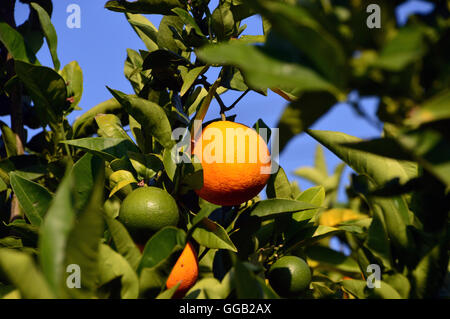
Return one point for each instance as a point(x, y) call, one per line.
point(85, 125)
point(298, 25)
point(144, 29)
point(168, 294)
point(379, 169)
point(315, 196)
point(278, 185)
point(429, 274)
point(204, 212)
point(169, 164)
point(249, 286)
point(21, 270)
point(406, 47)
point(378, 238)
point(169, 34)
point(15, 43)
point(188, 20)
point(33, 198)
point(47, 89)
point(223, 23)
point(73, 76)
point(151, 116)
point(84, 240)
point(211, 288)
point(133, 70)
point(54, 234)
point(161, 246)
point(119, 179)
point(271, 207)
point(123, 242)
point(110, 126)
point(262, 70)
point(105, 147)
point(111, 266)
point(9, 139)
point(49, 33)
point(145, 165)
point(301, 114)
point(332, 258)
point(163, 7)
point(212, 235)
point(190, 77)
point(434, 109)
point(83, 173)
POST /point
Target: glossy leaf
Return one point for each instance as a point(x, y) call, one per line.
point(144, 29)
point(34, 198)
point(85, 125)
point(9, 140)
point(107, 148)
point(160, 246)
point(212, 235)
point(145, 165)
point(110, 126)
point(190, 78)
point(261, 70)
point(54, 233)
point(15, 43)
point(278, 185)
point(73, 76)
point(123, 242)
point(49, 33)
point(271, 207)
point(379, 169)
point(84, 240)
point(151, 116)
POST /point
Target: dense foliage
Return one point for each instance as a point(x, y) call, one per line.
point(61, 189)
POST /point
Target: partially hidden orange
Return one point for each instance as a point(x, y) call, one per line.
point(184, 272)
point(236, 163)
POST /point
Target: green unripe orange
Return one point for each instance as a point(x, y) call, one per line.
point(289, 276)
point(146, 210)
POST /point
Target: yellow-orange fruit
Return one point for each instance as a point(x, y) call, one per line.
point(236, 163)
point(185, 271)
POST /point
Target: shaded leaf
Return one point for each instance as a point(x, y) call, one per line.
point(21, 270)
point(34, 198)
point(111, 266)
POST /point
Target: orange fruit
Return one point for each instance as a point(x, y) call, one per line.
point(185, 271)
point(236, 163)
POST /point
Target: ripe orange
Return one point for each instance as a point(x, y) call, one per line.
point(184, 271)
point(235, 160)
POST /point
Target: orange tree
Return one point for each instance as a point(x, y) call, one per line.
point(63, 188)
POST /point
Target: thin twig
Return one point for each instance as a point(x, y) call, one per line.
point(237, 101)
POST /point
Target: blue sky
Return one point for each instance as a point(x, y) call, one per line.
point(100, 46)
